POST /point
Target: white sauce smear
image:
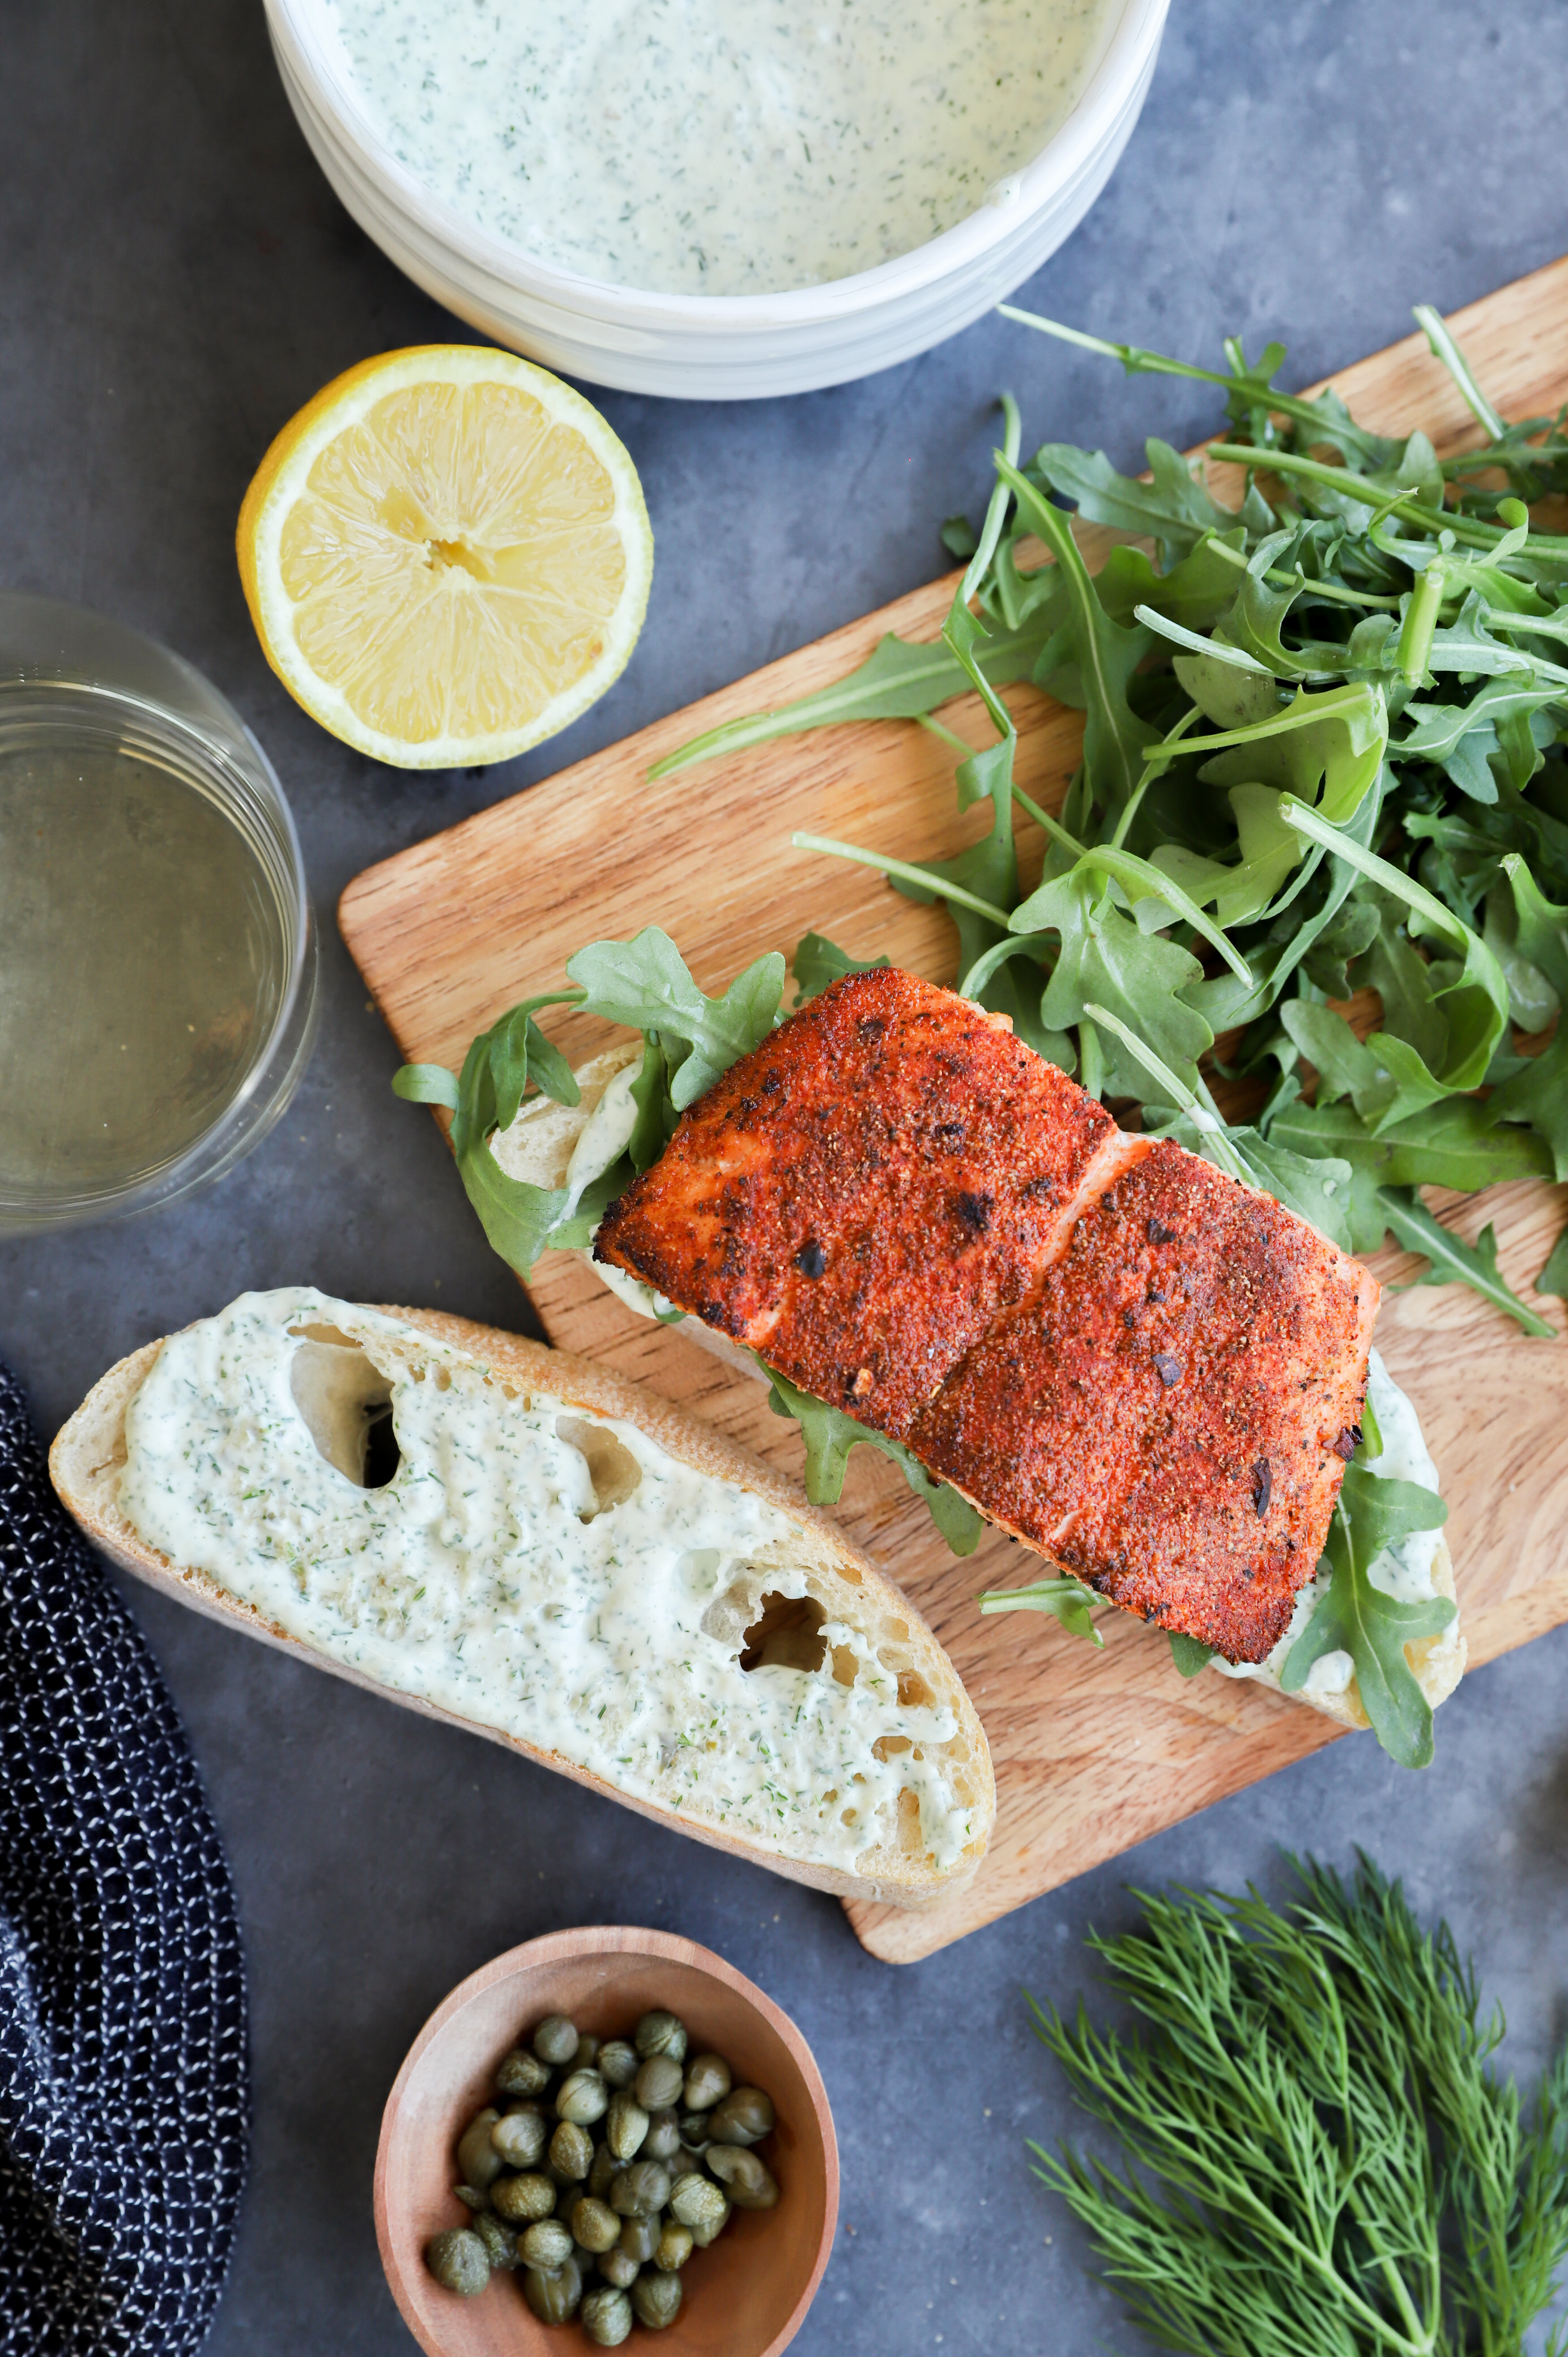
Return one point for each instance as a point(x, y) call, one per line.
point(472, 1581)
point(715, 146)
point(1403, 1571)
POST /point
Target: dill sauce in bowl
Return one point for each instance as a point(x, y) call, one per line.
point(157, 960)
point(717, 199)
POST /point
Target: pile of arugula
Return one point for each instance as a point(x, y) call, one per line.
point(1318, 2160)
point(1321, 753)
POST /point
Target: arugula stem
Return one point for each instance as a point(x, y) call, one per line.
point(1421, 622)
point(1052, 826)
point(1339, 592)
point(948, 735)
point(1405, 505)
point(1151, 770)
point(938, 886)
point(1139, 362)
point(1446, 349)
point(991, 530)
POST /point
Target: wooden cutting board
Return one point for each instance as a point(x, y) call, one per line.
point(1093, 1751)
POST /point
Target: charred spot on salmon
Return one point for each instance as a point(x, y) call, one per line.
point(1160, 1234)
point(1168, 1369)
point(1262, 1487)
point(974, 1211)
point(810, 1260)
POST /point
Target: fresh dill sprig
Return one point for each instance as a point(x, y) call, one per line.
point(1317, 2158)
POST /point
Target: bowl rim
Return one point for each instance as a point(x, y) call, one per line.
point(569, 1946)
point(1126, 49)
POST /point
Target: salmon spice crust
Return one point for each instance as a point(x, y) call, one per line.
point(1148, 1372)
point(859, 1197)
point(1169, 1418)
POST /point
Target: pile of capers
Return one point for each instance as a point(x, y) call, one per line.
point(618, 2157)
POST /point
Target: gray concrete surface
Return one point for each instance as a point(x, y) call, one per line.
point(175, 279)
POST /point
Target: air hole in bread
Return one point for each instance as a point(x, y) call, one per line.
point(845, 1665)
point(914, 1694)
point(909, 1840)
point(612, 1469)
point(786, 1635)
point(346, 1405)
point(886, 1745)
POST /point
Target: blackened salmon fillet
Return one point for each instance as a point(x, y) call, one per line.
point(1148, 1372)
point(859, 1197)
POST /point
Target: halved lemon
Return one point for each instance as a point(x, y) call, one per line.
point(447, 556)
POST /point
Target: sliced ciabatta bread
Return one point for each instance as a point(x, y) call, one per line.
point(560, 1561)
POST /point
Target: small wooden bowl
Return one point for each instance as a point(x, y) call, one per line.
point(747, 2293)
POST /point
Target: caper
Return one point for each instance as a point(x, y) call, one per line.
point(704, 2235)
point(661, 2033)
point(553, 2298)
point(744, 2117)
point(477, 2158)
point(458, 2259)
point(524, 2197)
point(521, 2074)
point(499, 2241)
point(658, 2083)
point(663, 2141)
point(594, 2224)
point(694, 2130)
point(519, 2137)
point(696, 2202)
point(603, 2171)
point(588, 2051)
point(571, 2151)
point(640, 2189)
point(582, 2098)
point(657, 2300)
point(617, 2061)
point(626, 2125)
point(607, 2317)
point(556, 2039)
point(546, 2246)
point(674, 2249)
point(708, 2081)
point(618, 2267)
point(639, 2236)
point(471, 2198)
point(748, 2180)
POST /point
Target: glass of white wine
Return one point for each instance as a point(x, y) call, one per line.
point(157, 951)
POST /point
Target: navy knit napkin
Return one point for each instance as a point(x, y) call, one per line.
point(123, 2072)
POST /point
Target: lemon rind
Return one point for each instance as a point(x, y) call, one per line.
point(281, 478)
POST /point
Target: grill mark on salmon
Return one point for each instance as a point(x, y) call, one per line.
point(1143, 1369)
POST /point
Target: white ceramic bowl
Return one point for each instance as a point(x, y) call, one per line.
point(709, 347)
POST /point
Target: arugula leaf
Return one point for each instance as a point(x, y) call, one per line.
point(1457, 1144)
point(900, 681)
point(1175, 509)
point(818, 962)
point(1456, 1262)
point(1104, 654)
point(828, 1435)
point(1554, 1277)
point(1068, 1601)
point(1190, 1654)
point(1355, 1616)
point(645, 985)
point(1539, 1093)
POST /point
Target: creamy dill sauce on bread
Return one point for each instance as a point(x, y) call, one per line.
point(489, 1576)
point(1403, 1571)
point(715, 146)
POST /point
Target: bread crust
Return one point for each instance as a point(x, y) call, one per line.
point(90, 1452)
